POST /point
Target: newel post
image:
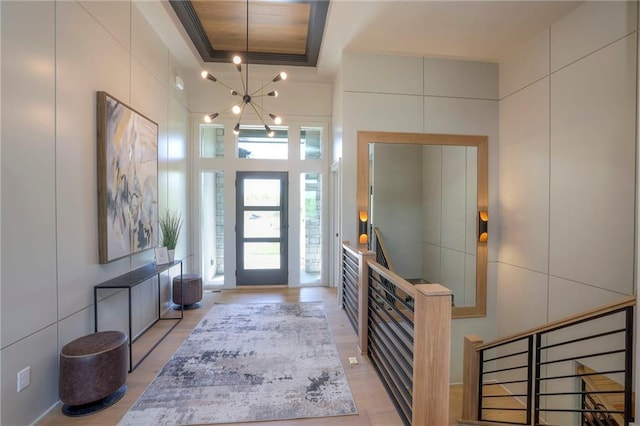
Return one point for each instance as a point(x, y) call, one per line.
point(363, 299)
point(470, 377)
point(431, 355)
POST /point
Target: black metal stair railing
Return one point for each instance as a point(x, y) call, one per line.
point(559, 349)
point(375, 300)
point(350, 265)
point(379, 249)
point(512, 361)
point(390, 341)
point(545, 370)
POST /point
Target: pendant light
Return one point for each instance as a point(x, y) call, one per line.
point(247, 99)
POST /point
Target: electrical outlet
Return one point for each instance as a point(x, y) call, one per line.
point(353, 360)
point(24, 378)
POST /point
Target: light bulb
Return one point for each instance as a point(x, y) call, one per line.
point(237, 60)
point(205, 74)
point(270, 132)
point(281, 76)
point(236, 109)
point(236, 129)
point(273, 93)
point(276, 119)
point(209, 118)
point(234, 93)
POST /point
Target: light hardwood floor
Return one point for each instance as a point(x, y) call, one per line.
point(373, 403)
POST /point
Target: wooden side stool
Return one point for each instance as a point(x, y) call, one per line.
point(93, 372)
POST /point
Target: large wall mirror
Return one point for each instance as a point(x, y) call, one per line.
point(423, 194)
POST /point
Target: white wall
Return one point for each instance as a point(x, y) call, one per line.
point(450, 216)
point(0, 199)
point(568, 121)
point(567, 167)
point(49, 239)
point(422, 95)
point(397, 205)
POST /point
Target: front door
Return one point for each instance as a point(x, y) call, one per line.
point(261, 228)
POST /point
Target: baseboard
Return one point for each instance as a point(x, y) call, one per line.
point(47, 411)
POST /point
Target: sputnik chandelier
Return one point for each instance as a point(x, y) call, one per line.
point(247, 98)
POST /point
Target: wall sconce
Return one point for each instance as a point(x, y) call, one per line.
point(364, 235)
point(483, 221)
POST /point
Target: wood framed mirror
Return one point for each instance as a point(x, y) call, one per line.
point(422, 181)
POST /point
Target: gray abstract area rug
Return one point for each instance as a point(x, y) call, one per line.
point(249, 362)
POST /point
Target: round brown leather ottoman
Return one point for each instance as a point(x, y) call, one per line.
point(93, 372)
point(192, 289)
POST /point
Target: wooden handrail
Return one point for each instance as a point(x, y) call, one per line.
point(347, 247)
point(396, 279)
point(604, 309)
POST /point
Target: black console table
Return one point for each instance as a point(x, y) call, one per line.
point(128, 281)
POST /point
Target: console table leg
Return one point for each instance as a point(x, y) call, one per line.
point(130, 330)
point(95, 309)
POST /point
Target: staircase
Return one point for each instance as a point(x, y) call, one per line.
point(612, 400)
point(531, 377)
point(498, 416)
point(540, 367)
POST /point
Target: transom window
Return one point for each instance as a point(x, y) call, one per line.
point(254, 143)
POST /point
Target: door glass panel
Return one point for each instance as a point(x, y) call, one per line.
point(261, 224)
point(261, 255)
point(261, 192)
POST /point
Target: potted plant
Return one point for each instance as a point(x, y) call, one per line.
point(170, 224)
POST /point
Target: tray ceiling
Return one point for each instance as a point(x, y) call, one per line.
point(280, 33)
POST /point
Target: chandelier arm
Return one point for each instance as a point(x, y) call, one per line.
point(224, 110)
point(227, 108)
point(258, 106)
point(241, 112)
point(276, 119)
point(262, 88)
point(257, 113)
point(226, 85)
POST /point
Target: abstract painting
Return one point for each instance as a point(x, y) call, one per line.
point(127, 180)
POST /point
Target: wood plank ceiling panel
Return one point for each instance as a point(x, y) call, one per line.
point(273, 27)
point(280, 33)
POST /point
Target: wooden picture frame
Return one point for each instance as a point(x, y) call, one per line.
point(127, 180)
